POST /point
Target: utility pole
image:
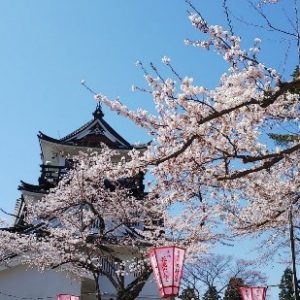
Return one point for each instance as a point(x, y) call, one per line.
point(292, 241)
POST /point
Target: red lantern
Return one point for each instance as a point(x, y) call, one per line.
point(253, 293)
point(67, 297)
point(167, 265)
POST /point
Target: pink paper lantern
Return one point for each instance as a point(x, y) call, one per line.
point(167, 265)
point(253, 293)
point(67, 297)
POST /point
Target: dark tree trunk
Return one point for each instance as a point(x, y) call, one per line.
point(132, 291)
point(98, 292)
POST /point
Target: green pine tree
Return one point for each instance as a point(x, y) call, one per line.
point(188, 294)
point(232, 291)
point(295, 75)
point(286, 285)
point(211, 294)
point(285, 139)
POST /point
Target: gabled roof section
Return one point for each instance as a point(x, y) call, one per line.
point(42, 189)
point(92, 134)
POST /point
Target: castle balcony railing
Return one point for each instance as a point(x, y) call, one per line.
point(52, 174)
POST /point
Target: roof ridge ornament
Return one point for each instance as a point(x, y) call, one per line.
point(98, 113)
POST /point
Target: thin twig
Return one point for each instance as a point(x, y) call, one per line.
point(226, 10)
point(260, 12)
point(174, 71)
point(194, 8)
point(297, 29)
point(156, 72)
point(88, 88)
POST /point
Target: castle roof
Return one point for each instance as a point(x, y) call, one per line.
point(92, 134)
point(55, 154)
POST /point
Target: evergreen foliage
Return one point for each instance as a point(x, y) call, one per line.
point(188, 294)
point(211, 294)
point(232, 292)
point(286, 285)
point(295, 75)
point(284, 139)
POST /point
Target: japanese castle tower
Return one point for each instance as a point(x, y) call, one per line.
point(15, 278)
point(57, 154)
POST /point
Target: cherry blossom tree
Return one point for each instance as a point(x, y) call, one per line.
point(93, 223)
point(98, 222)
point(211, 149)
point(212, 158)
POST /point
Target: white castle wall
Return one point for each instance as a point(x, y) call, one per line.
point(19, 281)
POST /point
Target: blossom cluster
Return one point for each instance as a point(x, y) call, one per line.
point(211, 155)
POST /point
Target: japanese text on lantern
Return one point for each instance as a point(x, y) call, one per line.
point(164, 267)
point(177, 265)
point(167, 263)
point(253, 293)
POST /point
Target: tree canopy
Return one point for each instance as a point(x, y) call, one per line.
point(232, 291)
point(90, 225)
point(211, 148)
point(286, 285)
point(212, 155)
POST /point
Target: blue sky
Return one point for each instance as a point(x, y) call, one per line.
point(48, 47)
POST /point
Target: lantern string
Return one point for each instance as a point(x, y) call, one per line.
point(273, 285)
